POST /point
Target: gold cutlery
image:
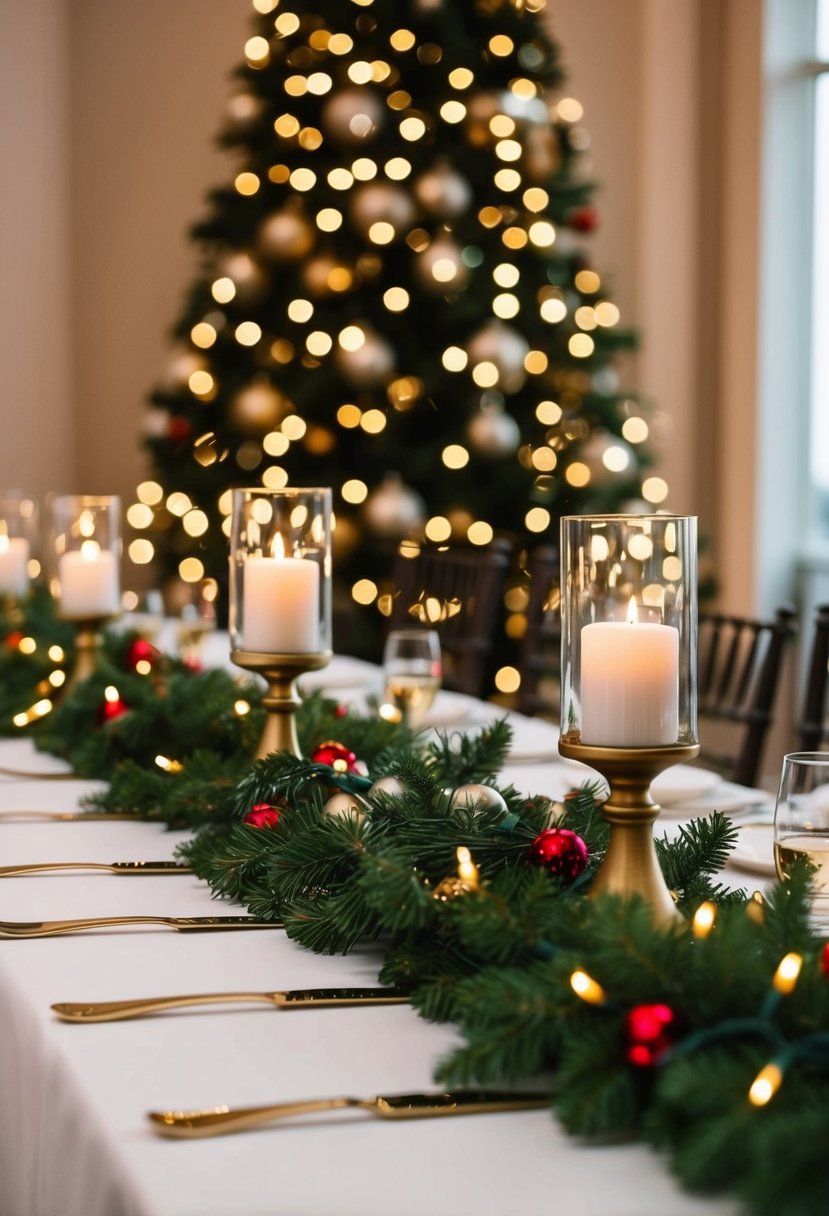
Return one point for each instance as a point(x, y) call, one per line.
point(185, 924)
point(295, 998)
point(67, 816)
point(112, 867)
point(188, 1125)
point(26, 774)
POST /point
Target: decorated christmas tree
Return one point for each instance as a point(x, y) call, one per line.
point(396, 299)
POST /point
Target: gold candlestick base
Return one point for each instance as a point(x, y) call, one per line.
point(88, 642)
point(630, 866)
point(281, 671)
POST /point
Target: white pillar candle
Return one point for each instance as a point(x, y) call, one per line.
point(281, 605)
point(89, 585)
point(14, 560)
point(629, 684)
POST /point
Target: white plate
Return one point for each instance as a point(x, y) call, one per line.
point(682, 783)
point(754, 850)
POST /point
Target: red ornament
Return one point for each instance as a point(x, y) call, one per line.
point(142, 651)
point(336, 756)
point(824, 959)
point(13, 639)
point(341, 711)
point(583, 219)
point(180, 430)
point(650, 1031)
point(108, 710)
point(263, 815)
point(561, 852)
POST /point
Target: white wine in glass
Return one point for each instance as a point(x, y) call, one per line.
point(411, 673)
point(801, 823)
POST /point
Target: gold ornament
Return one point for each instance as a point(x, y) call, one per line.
point(443, 192)
point(353, 116)
point(247, 276)
point(343, 806)
point(258, 408)
point(286, 236)
point(370, 365)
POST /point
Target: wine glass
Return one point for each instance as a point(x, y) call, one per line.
point(196, 604)
point(801, 823)
point(412, 673)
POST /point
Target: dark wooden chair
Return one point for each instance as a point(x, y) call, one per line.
point(740, 662)
point(814, 722)
point(458, 592)
point(539, 658)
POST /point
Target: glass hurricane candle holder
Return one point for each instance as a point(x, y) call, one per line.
point(18, 544)
point(85, 549)
point(280, 597)
point(628, 676)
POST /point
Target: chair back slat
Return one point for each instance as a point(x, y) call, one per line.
point(814, 724)
point(739, 667)
point(458, 592)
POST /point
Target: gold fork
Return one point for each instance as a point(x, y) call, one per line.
point(192, 1124)
point(185, 924)
point(295, 998)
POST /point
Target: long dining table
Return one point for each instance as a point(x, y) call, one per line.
point(75, 1139)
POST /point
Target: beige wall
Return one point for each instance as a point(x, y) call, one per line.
point(109, 111)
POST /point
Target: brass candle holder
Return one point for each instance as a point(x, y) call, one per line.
point(630, 865)
point(281, 672)
point(89, 640)
point(628, 663)
point(280, 598)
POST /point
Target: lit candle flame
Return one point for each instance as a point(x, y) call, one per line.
point(278, 547)
point(633, 612)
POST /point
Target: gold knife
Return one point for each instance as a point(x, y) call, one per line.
point(294, 998)
point(189, 1125)
point(185, 924)
point(113, 867)
point(67, 816)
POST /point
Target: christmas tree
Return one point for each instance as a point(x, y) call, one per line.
point(395, 299)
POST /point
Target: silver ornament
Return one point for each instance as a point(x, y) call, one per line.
point(286, 236)
point(606, 456)
point(342, 806)
point(473, 795)
point(371, 365)
point(258, 408)
point(392, 786)
point(380, 202)
point(353, 116)
point(505, 348)
point(440, 267)
point(443, 192)
point(493, 432)
point(393, 510)
point(247, 276)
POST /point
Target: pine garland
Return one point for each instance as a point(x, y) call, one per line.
point(497, 959)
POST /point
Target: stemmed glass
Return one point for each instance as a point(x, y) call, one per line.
point(801, 823)
point(411, 673)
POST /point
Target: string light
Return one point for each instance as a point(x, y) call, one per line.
point(787, 973)
point(586, 988)
point(765, 1085)
point(704, 920)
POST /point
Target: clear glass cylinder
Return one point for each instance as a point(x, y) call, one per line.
point(629, 630)
point(18, 543)
point(280, 571)
point(85, 555)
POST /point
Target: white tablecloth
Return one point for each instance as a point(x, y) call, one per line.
point(74, 1140)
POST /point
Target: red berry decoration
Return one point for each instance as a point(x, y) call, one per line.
point(650, 1031)
point(583, 219)
point(180, 430)
point(341, 711)
point(109, 710)
point(824, 959)
point(336, 756)
point(142, 652)
point(263, 815)
point(561, 852)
